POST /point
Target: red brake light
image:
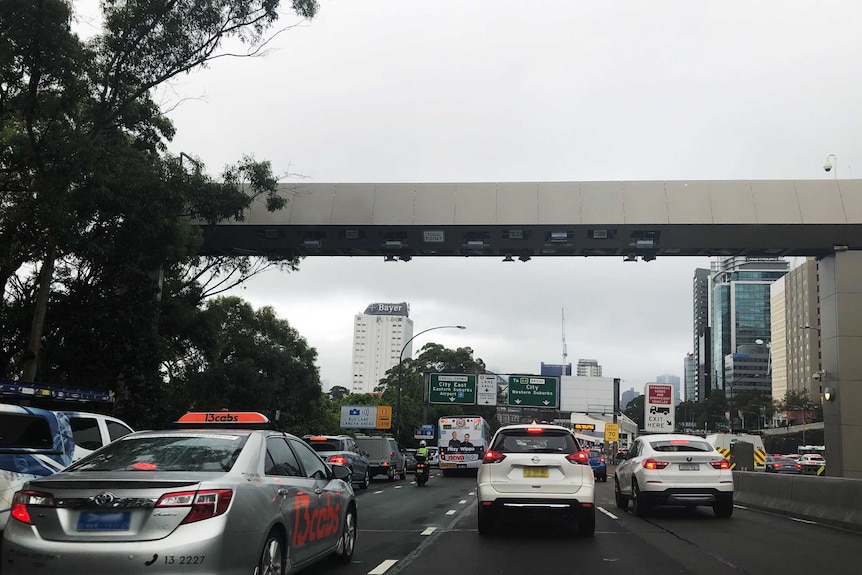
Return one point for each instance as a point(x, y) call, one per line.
point(720, 463)
point(581, 457)
point(602, 459)
point(679, 441)
point(22, 499)
point(534, 430)
point(653, 464)
point(339, 459)
point(203, 504)
point(493, 457)
point(144, 466)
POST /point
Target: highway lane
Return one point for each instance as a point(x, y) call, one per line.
point(431, 530)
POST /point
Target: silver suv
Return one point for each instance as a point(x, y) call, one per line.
point(536, 467)
point(384, 456)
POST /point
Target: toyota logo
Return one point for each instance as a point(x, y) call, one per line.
point(104, 499)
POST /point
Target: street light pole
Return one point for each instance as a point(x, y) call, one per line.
point(401, 371)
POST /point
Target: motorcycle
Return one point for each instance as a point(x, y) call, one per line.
point(422, 472)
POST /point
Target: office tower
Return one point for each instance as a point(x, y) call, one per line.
point(690, 382)
point(700, 329)
point(589, 368)
point(674, 381)
point(379, 334)
point(740, 306)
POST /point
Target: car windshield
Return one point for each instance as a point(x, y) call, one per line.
point(548, 441)
point(597, 454)
point(325, 446)
point(203, 452)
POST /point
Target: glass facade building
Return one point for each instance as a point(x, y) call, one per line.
point(740, 307)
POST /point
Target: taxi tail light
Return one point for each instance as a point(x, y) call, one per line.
point(204, 504)
point(24, 499)
point(339, 459)
point(493, 457)
point(723, 464)
point(655, 464)
point(580, 457)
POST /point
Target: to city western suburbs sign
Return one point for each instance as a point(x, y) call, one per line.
point(452, 389)
point(534, 391)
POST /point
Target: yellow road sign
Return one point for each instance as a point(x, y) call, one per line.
point(384, 416)
point(612, 432)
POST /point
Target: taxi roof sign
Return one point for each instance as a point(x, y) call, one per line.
point(224, 417)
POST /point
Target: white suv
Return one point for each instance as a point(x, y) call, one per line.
point(673, 469)
point(536, 467)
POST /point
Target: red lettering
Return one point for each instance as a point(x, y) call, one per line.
point(301, 505)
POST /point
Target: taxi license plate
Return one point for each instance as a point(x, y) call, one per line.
point(688, 466)
point(116, 521)
point(535, 472)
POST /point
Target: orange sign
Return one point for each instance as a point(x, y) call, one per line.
point(384, 417)
point(219, 417)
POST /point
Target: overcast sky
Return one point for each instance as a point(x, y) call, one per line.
point(503, 90)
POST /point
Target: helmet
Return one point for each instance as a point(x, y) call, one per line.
point(422, 443)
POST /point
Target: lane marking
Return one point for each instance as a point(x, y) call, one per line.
point(429, 531)
point(398, 486)
point(383, 567)
point(451, 512)
point(606, 512)
point(803, 521)
point(376, 492)
point(472, 493)
point(462, 502)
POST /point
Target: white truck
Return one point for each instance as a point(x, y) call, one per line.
point(723, 442)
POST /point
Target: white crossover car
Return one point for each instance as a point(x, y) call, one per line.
point(536, 468)
point(674, 469)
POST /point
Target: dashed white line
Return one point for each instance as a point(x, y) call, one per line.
point(429, 531)
point(377, 492)
point(803, 520)
point(383, 567)
point(462, 502)
point(606, 512)
point(451, 512)
point(398, 486)
point(472, 493)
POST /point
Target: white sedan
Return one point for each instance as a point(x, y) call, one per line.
point(674, 469)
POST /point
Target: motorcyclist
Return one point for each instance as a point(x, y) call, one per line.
point(422, 452)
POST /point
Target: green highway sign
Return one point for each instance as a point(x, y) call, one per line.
point(534, 391)
point(452, 388)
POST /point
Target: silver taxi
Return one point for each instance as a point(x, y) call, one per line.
point(220, 497)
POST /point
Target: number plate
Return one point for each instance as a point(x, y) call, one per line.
point(689, 466)
point(535, 472)
point(116, 521)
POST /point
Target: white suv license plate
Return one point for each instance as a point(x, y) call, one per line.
point(689, 466)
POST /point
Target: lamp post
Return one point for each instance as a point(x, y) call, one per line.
point(401, 371)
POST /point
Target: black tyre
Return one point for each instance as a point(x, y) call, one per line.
point(639, 506)
point(587, 522)
point(723, 509)
point(621, 500)
point(366, 480)
point(391, 475)
point(486, 520)
point(271, 556)
point(347, 543)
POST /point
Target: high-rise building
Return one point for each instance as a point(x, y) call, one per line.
point(550, 369)
point(674, 381)
point(627, 397)
point(740, 306)
point(589, 368)
point(700, 329)
point(795, 343)
point(690, 381)
point(379, 334)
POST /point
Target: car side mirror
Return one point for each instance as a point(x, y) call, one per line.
point(340, 472)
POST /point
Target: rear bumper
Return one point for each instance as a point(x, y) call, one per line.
point(687, 496)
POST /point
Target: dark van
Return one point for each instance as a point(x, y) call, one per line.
point(384, 456)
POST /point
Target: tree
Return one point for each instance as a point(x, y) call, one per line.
point(338, 392)
point(79, 123)
point(635, 411)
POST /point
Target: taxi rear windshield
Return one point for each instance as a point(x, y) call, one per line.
point(211, 452)
point(670, 446)
point(548, 441)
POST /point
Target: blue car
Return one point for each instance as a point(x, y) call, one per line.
point(599, 465)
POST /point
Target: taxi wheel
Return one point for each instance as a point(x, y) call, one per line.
point(271, 557)
point(366, 480)
point(347, 543)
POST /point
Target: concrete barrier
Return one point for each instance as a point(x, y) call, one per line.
point(831, 500)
